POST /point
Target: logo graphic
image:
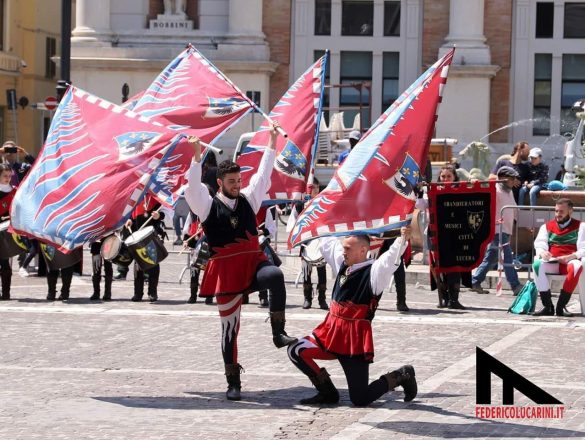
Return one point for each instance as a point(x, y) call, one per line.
point(475, 219)
point(550, 407)
point(219, 107)
point(405, 179)
point(135, 142)
point(291, 162)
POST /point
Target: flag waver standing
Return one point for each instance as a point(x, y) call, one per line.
point(373, 190)
point(96, 164)
point(299, 113)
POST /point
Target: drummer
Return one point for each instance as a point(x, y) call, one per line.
point(143, 211)
point(7, 192)
point(307, 266)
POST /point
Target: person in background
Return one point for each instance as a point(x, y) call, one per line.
point(518, 161)
point(354, 138)
point(537, 178)
point(180, 218)
point(509, 177)
point(7, 192)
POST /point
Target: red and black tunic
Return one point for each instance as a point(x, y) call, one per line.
point(347, 328)
point(234, 249)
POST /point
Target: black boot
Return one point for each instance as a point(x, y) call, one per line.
point(52, 286)
point(322, 288)
point(108, 288)
point(564, 299)
point(232, 374)
point(401, 299)
point(443, 297)
point(194, 289)
point(6, 277)
point(548, 309)
point(308, 293)
point(95, 280)
point(405, 378)
point(279, 336)
point(454, 297)
point(326, 391)
point(263, 298)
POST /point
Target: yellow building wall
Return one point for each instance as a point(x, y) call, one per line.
point(27, 25)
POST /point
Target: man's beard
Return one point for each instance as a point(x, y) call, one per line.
point(229, 196)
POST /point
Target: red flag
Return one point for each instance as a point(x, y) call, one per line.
point(299, 113)
point(95, 166)
point(193, 96)
point(373, 190)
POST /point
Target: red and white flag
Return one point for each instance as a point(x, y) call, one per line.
point(96, 165)
point(190, 95)
point(299, 113)
point(373, 190)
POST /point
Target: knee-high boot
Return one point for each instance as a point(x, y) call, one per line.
point(564, 299)
point(404, 377)
point(548, 309)
point(279, 336)
point(308, 293)
point(454, 297)
point(326, 391)
point(6, 277)
point(232, 375)
point(322, 288)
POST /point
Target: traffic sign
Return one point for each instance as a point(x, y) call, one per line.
point(51, 103)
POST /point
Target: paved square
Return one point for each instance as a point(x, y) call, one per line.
point(119, 370)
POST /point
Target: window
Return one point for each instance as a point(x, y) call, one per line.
point(542, 87)
point(390, 65)
point(392, 19)
point(356, 67)
point(574, 20)
point(572, 89)
point(545, 13)
point(322, 17)
point(50, 51)
point(357, 17)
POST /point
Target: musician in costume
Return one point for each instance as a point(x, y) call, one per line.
point(559, 247)
point(7, 192)
point(346, 332)
point(307, 266)
point(237, 264)
point(141, 214)
point(97, 263)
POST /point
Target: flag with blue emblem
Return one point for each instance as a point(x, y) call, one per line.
point(373, 190)
point(299, 113)
point(95, 167)
point(194, 97)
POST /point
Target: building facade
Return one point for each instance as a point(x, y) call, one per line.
point(30, 37)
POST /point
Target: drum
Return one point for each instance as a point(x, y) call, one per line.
point(312, 255)
point(58, 260)
point(201, 255)
point(146, 247)
point(115, 250)
point(11, 245)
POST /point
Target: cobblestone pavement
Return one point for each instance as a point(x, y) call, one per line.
point(119, 370)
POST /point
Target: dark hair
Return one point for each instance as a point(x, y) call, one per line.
point(448, 168)
point(361, 237)
point(5, 167)
point(565, 201)
point(518, 146)
point(227, 167)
